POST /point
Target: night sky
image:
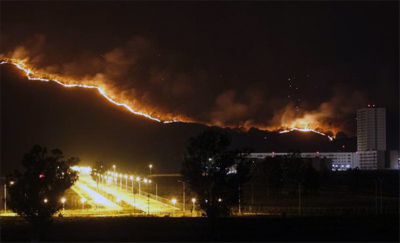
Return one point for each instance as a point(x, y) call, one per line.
point(254, 66)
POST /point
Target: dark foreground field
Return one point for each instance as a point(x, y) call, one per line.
point(361, 229)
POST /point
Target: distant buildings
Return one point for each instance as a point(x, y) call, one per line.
point(371, 129)
point(371, 151)
point(335, 161)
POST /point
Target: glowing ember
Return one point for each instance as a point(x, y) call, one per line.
point(306, 130)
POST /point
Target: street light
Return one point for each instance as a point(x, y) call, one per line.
point(156, 190)
point(173, 209)
point(63, 202)
point(145, 180)
point(114, 167)
point(150, 166)
point(131, 178)
point(5, 197)
point(183, 195)
point(193, 201)
point(118, 202)
point(148, 204)
point(138, 180)
point(83, 200)
point(45, 200)
point(120, 181)
point(5, 194)
point(126, 182)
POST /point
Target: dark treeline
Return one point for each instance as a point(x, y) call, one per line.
point(280, 172)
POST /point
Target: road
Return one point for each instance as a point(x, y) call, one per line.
point(111, 197)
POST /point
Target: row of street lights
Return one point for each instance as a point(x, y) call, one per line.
point(173, 200)
point(111, 179)
point(63, 200)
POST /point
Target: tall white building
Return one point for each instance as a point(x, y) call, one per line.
point(371, 151)
point(371, 129)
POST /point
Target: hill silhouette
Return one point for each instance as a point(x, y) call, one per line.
point(82, 123)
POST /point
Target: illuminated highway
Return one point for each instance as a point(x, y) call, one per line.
point(93, 198)
point(119, 196)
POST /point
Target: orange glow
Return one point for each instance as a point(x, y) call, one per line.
point(37, 76)
point(307, 123)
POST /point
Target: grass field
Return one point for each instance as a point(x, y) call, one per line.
point(245, 229)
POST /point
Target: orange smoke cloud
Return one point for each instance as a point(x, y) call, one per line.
point(128, 77)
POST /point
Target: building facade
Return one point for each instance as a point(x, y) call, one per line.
point(371, 129)
point(365, 160)
point(340, 160)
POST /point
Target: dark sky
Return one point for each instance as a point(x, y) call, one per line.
point(236, 64)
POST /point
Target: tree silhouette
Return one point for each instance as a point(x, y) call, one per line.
point(36, 193)
point(215, 173)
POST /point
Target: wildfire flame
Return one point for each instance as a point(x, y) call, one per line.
point(306, 130)
point(300, 124)
point(31, 75)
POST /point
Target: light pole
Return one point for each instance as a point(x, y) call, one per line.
point(118, 202)
point(299, 197)
point(126, 182)
point(183, 196)
point(252, 194)
point(173, 209)
point(194, 206)
point(376, 196)
point(131, 177)
point(240, 206)
point(114, 168)
point(120, 181)
point(63, 202)
point(5, 197)
point(148, 204)
point(156, 190)
point(150, 166)
point(83, 200)
point(138, 180)
point(381, 195)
